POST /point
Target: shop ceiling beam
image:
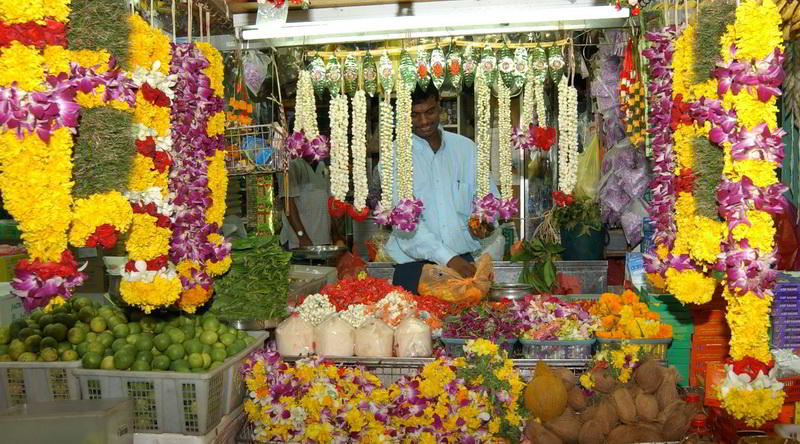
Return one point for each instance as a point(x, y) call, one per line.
point(445, 18)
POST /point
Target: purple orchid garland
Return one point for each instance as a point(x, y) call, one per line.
point(193, 106)
point(662, 205)
point(316, 150)
point(491, 209)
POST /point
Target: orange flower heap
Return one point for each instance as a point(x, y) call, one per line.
point(626, 317)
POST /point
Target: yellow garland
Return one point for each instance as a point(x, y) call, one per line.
point(218, 184)
point(761, 172)
point(39, 198)
point(152, 116)
point(748, 318)
point(55, 302)
point(215, 70)
point(218, 268)
point(760, 234)
point(94, 99)
point(750, 111)
point(57, 59)
point(34, 11)
point(185, 268)
point(216, 124)
point(755, 407)
point(682, 62)
point(108, 208)
point(690, 286)
point(147, 241)
point(150, 295)
point(148, 45)
point(23, 65)
point(144, 175)
point(192, 298)
point(757, 29)
point(684, 152)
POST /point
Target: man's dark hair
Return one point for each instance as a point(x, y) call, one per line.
point(422, 95)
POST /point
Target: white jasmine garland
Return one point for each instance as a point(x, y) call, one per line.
point(386, 153)
point(142, 274)
point(156, 79)
point(305, 107)
point(396, 307)
point(340, 173)
point(404, 158)
point(355, 315)
point(315, 308)
point(541, 109)
point(358, 150)
point(482, 137)
point(526, 115)
point(152, 195)
point(568, 136)
point(504, 139)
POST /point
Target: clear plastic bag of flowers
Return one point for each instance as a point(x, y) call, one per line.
point(295, 337)
point(334, 337)
point(412, 339)
point(374, 339)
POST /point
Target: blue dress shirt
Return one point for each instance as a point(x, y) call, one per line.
point(445, 182)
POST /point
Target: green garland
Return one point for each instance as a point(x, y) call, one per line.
point(100, 24)
point(103, 152)
point(712, 21)
point(708, 164)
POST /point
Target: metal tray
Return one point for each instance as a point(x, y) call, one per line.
point(318, 251)
point(252, 325)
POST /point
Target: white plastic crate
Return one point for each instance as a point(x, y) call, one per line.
point(170, 402)
point(224, 433)
point(30, 382)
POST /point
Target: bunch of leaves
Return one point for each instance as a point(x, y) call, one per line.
point(712, 21)
point(103, 153)
point(539, 268)
point(257, 285)
point(582, 212)
point(100, 24)
point(708, 164)
point(482, 321)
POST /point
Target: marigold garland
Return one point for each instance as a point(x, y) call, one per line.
point(218, 184)
point(216, 124)
point(152, 116)
point(57, 59)
point(755, 406)
point(690, 286)
point(215, 69)
point(757, 30)
point(34, 10)
point(147, 241)
point(23, 65)
point(148, 45)
point(144, 175)
point(108, 208)
point(160, 292)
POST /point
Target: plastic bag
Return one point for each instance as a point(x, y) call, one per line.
point(256, 69)
point(374, 339)
point(334, 337)
point(446, 284)
point(589, 170)
point(349, 266)
point(494, 245)
point(412, 339)
point(376, 246)
point(295, 337)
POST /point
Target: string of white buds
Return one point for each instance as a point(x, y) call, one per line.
point(386, 152)
point(340, 174)
point(305, 107)
point(405, 184)
point(526, 115)
point(483, 137)
point(568, 136)
point(358, 150)
point(504, 139)
point(541, 109)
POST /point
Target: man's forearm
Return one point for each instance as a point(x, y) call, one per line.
point(294, 219)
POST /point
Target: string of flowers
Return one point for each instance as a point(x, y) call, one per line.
point(340, 175)
point(504, 140)
point(305, 106)
point(408, 209)
point(358, 151)
point(541, 109)
point(526, 114)
point(568, 136)
point(384, 211)
point(752, 396)
point(483, 137)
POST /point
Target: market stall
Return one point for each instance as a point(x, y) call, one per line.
point(551, 222)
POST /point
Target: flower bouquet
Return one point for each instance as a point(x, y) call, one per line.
point(487, 211)
point(625, 317)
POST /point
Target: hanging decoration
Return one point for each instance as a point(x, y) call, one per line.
point(455, 74)
point(506, 67)
point(305, 141)
point(568, 136)
point(340, 174)
point(631, 98)
point(438, 69)
point(508, 205)
point(520, 69)
point(485, 206)
point(318, 75)
point(555, 61)
point(539, 68)
point(423, 68)
point(370, 73)
point(358, 154)
point(386, 74)
point(470, 61)
point(488, 65)
point(408, 71)
point(333, 76)
point(351, 70)
point(408, 209)
point(386, 126)
point(526, 108)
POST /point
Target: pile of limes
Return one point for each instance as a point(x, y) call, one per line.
point(109, 338)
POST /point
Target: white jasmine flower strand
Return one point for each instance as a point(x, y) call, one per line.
point(568, 136)
point(541, 109)
point(340, 173)
point(359, 150)
point(386, 153)
point(504, 139)
point(526, 115)
point(405, 184)
point(306, 107)
point(483, 138)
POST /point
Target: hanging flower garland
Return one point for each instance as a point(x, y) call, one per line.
point(504, 139)
point(305, 141)
point(568, 136)
point(386, 122)
point(541, 109)
point(340, 173)
point(754, 399)
point(483, 136)
point(359, 151)
point(100, 219)
point(526, 114)
point(408, 209)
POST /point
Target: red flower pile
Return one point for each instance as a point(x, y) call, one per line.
point(49, 33)
point(105, 235)
point(680, 113)
point(147, 148)
point(562, 199)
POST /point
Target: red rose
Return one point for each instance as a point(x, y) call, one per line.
point(157, 263)
point(356, 215)
point(130, 267)
point(162, 221)
point(162, 161)
point(137, 208)
point(104, 235)
point(146, 147)
point(336, 208)
point(151, 209)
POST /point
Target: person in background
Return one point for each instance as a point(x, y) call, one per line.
point(308, 222)
point(444, 179)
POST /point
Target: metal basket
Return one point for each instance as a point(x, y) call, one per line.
point(253, 149)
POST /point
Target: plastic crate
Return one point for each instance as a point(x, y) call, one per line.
point(655, 347)
point(581, 349)
point(170, 402)
point(455, 346)
point(32, 382)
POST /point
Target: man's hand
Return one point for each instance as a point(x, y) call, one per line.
point(464, 268)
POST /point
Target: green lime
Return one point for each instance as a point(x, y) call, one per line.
point(5, 358)
point(144, 343)
point(249, 340)
point(96, 347)
point(177, 363)
point(144, 355)
point(48, 342)
point(195, 360)
point(108, 352)
point(207, 348)
point(227, 338)
point(49, 354)
point(82, 325)
point(214, 365)
point(189, 331)
point(120, 330)
point(3, 349)
point(156, 352)
point(69, 355)
point(16, 348)
point(177, 335)
point(135, 327)
point(187, 320)
point(45, 320)
point(81, 348)
point(92, 360)
point(160, 362)
point(32, 343)
point(64, 346)
point(159, 328)
point(208, 337)
point(148, 323)
point(132, 338)
point(129, 348)
point(91, 336)
point(107, 363)
point(61, 308)
point(87, 314)
point(113, 321)
point(98, 324)
point(16, 327)
point(183, 368)
point(175, 351)
point(25, 332)
point(105, 311)
point(193, 346)
point(211, 324)
point(64, 318)
point(123, 360)
point(105, 338)
point(198, 370)
point(80, 302)
point(206, 360)
point(141, 366)
point(147, 335)
point(118, 344)
point(76, 335)
point(27, 357)
point(162, 341)
point(57, 331)
point(240, 334)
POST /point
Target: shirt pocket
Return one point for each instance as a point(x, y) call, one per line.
point(462, 201)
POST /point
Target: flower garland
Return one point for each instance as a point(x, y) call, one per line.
point(541, 109)
point(754, 400)
point(620, 362)
point(305, 107)
point(386, 122)
point(147, 45)
point(340, 176)
point(358, 151)
point(408, 209)
point(483, 136)
point(34, 11)
point(568, 136)
point(526, 114)
point(504, 135)
point(100, 219)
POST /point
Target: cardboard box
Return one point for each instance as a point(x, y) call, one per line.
point(7, 265)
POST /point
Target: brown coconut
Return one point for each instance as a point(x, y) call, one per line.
point(538, 434)
point(566, 375)
point(664, 413)
point(623, 434)
point(607, 416)
point(648, 433)
point(576, 399)
point(667, 392)
point(675, 426)
point(603, 381)
point(566, 427)
point(626, 408)
point(646, 407)
point(591, 433)
point(589, 413)
point(648, 376)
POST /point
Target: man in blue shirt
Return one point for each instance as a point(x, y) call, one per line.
point(444, 179)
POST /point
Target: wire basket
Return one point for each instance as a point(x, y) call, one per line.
point(253, 149)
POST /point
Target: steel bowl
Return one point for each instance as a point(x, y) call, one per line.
point(318, 251)
point(252, 325)
point(508, 291)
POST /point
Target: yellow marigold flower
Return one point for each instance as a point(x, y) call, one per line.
point(750, 111)
point(481, 347)
point(727, 168)
point(215, 70)
point(758, 29)
point(218, 268)
point(727, 39)
point(108, 208)
point(682, 62)
point(218, 184)
point(185, 267)
point(144, 175)
point(216, 124)
point(684, 151)
point(705, 238)
point(147, 241)
point(587, 381)
point(755, 406)
point(690, 286)
point(54, 302)
point(193, 297)
point(760, 234)
point(748, 318)
point(657, 281)
point(761, 172)
point(34, 10)
point(148, 45)
point(149, 296)
point(152, 116)
point(704, 89)
point(23, 65)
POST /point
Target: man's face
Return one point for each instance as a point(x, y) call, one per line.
point(425, 118)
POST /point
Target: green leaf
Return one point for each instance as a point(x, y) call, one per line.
point(549, 270)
